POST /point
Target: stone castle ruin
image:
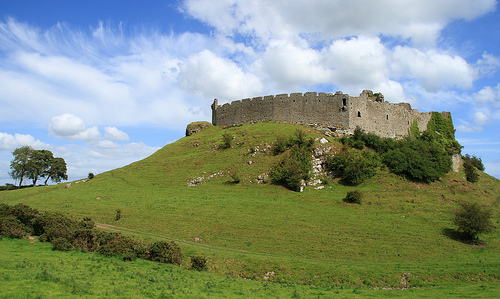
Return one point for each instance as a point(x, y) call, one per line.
point(369, 111)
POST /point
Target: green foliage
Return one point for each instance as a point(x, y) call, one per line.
point(19, 165)
point(354, 197)
point(354, 167)
point(414, 131)
point(440, 131)
point(90, 176)
point(471, 220)
point(418, 160)
point(15, 221)
point(475, 161)
point(296, 163)
point(11, 227)
point(199, 262)
point(227, 140)
point(118, 215)
point(164, 252)
point(294, 168)
point(471, 172)
point(33, 164)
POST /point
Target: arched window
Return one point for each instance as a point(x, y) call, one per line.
point(344, 101)
point(359, 114)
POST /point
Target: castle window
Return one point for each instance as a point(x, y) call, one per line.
point(344, 102)
point(359, 114)
point(387, 116)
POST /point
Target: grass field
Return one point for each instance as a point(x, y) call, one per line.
point(400, 237)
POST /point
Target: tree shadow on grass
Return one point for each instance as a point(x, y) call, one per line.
point(461, 237)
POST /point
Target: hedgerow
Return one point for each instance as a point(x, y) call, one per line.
point(67, 234)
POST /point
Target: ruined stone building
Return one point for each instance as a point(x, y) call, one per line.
point(369, 111)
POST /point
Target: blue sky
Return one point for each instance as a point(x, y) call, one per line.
point(106, 83)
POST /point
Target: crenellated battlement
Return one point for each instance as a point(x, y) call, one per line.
point(368, 111)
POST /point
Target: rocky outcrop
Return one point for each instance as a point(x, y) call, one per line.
point(196, 127)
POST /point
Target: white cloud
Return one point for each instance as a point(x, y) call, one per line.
point(71, 127)
point(289, 65)
point(434, 70)
point(11, 142)
point(481, 118)
point(488, 96)
point(419, 20)
point(112, 133)
point(358, 63)
point(210, 76)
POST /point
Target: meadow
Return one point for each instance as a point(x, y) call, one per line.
point(262, 237)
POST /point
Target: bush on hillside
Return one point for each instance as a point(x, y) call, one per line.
point(296, 164)
point(294, 168)
point(198, 262)
point(471, 220)
point(418, 160)
point(471, 173)
point(11, 227)
point(165, 252)
point(227, 140)
point(475, 161)
point(353, 197)
point(353, 167)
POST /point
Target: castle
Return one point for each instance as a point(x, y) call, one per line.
point(369, 111)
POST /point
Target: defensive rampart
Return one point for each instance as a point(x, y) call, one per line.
point(368, 111)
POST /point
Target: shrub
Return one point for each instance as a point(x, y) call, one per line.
point(471, 173)
point(280, 145)
point(165, 252)
point(353, 197)
point(62, 244)
point(91, 176)
point(293, 169)
point(353, 167)
point(198, 262)
point(471, 220)
point(418, 160)
point(475, 161)
point(11, 227)
point(118, 215)
point(227, 140)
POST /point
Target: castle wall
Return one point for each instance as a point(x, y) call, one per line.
point(367, 111)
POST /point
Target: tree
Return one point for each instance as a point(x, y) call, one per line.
point(39, 164)
point(19, 164)
point(57, 171)
point(471, 220)
point(33, 164)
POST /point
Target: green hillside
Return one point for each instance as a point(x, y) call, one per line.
point(400, 236)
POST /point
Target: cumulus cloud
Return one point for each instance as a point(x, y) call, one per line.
point(420, 21)
point(434, 70)
point(488, 95)
point(71, 127)
point(112, 133)
point(211, 76)
point(11, 142)
point(289, 65)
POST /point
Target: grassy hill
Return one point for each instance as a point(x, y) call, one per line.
point(401, 236)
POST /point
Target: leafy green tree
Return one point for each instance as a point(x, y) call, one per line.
point(19, 164)
point(39, 164)
point(472, 220)
point(57, 171)
point(33, 164)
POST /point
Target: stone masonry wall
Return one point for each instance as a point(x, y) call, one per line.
point(367, 111)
